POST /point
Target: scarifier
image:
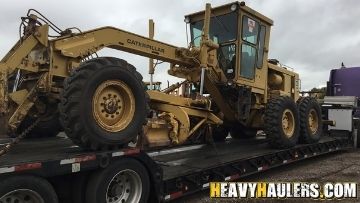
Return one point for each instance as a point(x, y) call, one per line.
point(230, 85)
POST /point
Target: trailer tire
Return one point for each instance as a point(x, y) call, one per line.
point(220, 133)
point(104, 104)
point(16, 188)
point(282, 122)
point(120, 176)
point(311, 125)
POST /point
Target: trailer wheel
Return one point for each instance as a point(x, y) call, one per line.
point(26, 189)
point(104, 104)
point(124, 181)
point(310, 120)
point(220, 133)
point(282, 122)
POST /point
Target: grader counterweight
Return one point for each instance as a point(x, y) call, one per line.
point(230, 85)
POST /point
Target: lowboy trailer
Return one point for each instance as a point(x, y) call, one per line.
point(59, 171)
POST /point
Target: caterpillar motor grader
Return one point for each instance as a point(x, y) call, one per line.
point(51, 83)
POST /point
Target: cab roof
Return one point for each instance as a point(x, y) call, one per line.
point(226, 8)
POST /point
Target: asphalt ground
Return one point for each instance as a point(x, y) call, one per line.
point(334, 167)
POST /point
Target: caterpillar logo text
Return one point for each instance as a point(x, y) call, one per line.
point(147, 46)
point(283, 190)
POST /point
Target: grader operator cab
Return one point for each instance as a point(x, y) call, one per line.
point(101, 102)
point(261, 93)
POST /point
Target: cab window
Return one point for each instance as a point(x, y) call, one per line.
point(261, 44)
point(227, 59)
point(223, 28)
point(250, 31)
point(248, 56)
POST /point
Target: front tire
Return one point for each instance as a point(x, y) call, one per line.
point(104, 104)
point(124, 181)
point(311, 125)
point(282, 122)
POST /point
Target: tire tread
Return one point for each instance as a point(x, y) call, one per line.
point(70, 100)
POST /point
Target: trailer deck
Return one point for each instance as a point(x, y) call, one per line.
point(206, 156)
point(182, 170)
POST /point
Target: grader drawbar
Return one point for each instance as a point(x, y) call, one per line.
point(229, 85)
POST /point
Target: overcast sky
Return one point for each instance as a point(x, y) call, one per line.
point(310, 36)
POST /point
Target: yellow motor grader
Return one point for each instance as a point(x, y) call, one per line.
point(53, 83)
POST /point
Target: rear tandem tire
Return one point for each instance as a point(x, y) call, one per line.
point(282, 122)
point(311, 125)
point(126, 180)
point(104, 104)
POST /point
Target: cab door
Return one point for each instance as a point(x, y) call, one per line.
point(251, 50)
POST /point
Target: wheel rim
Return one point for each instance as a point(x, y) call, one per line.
point(22, 196)
point(313, 120)
point(113, 105)
point(288, 123)
point(126, 186)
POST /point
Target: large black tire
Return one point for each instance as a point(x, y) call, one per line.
point(281, 136)
point(239, 131)
point(76, 106)
point(34, 189)
point(110, 183)
point(47, 127)
point(310, 132)
point(220, 133)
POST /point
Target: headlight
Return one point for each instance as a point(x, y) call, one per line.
point(233, 7)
